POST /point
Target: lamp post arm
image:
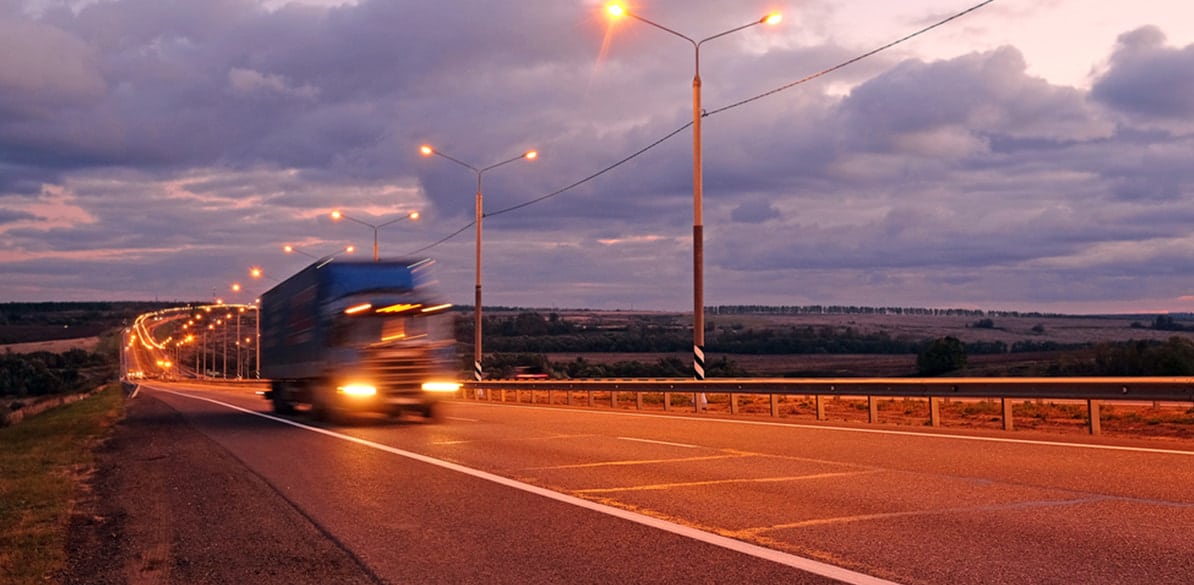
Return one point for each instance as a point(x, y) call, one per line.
point(355, 220)
point(664, 28)
point(457, 161)
point(393, 221)
point(730, 32)
point(505, 162)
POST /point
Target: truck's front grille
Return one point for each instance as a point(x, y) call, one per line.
point(402, 372)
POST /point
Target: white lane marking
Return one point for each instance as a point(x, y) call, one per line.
point(691, 484)
point(457, 418)
point(685, 445)
point(705, 419)
point(782, 558)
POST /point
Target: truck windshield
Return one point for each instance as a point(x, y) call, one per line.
point(379, 329)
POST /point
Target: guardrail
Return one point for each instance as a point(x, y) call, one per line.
point(1092, 391)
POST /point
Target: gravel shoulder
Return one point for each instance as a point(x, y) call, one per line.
point(167, 505)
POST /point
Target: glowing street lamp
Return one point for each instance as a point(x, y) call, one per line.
point(376, 228)
point(698, 237)
point(528, 155)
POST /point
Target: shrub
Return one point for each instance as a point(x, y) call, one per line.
point(942, 355)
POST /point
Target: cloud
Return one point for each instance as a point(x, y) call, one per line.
point(13, 216)
point(190, 140)
point(1148, 79)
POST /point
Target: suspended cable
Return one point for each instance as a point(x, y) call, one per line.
point(706, 114)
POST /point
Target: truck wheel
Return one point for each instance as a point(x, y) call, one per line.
point(432, 413)
point(283, 406)
point(280, 398)
point(320, 409)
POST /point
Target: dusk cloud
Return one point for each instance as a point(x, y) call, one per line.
point(152, 149)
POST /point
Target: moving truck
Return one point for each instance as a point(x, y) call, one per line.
point(345, 336)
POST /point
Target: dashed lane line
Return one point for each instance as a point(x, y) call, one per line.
point(668, 486)
point(627, 462)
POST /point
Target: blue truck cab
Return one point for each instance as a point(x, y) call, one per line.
point(344, 336)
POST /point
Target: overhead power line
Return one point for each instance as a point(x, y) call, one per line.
point(708, 113)
point(851, 61)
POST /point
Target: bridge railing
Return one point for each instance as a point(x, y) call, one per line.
point(1091, 391)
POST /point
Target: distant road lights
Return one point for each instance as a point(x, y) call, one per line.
point(616, 9)
point(427, 150)
point(337, 215)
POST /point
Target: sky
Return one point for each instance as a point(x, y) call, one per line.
point(1033, 155)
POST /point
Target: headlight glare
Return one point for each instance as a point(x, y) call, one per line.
point(357, 390)
point(440, 386)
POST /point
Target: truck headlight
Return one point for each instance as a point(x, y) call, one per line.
point(362, 390)
point(440, 386)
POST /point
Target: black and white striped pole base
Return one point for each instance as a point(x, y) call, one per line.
point(477, 377)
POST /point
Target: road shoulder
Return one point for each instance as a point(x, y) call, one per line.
point(168, 505)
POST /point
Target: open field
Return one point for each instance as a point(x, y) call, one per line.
point(1064, 330)
point(54, 346)
point(1057, 329)
point(832, 365)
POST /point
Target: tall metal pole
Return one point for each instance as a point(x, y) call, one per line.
point(480, 214)
point(477, 373)
point(239, 310)
point(257, 371)
point(698, 228)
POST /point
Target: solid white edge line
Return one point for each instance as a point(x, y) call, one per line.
point(845, 429)
point(782, 558)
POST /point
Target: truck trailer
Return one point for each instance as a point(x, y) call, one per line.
point(344, 336)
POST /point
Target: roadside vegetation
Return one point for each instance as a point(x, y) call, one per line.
point(43, 461)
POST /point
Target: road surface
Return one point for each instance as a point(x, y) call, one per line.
point(503, 493)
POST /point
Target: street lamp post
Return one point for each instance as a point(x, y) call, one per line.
point(257, 272)
point(528, 155)
point(698, 236)
point(376, 228)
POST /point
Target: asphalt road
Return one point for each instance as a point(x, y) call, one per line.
point(522, 494)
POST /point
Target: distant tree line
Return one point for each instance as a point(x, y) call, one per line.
point(509, 365)
point(1172, 357)
point(1164, 323)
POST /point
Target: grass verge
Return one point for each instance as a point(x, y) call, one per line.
point(43, 461)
